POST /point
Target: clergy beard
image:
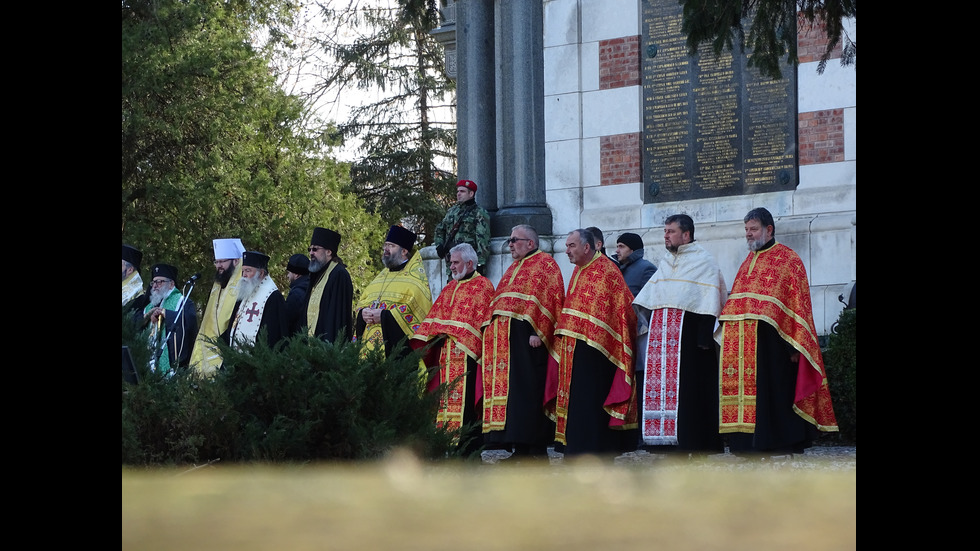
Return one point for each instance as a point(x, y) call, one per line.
point(247, 286)
point(756, 244)
point(390, 261)
point(316, 265)
point(157, 295)
point(224, 278)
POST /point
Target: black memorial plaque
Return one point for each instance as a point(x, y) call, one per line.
point(711, 127)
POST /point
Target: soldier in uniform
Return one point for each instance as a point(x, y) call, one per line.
point(465, 222)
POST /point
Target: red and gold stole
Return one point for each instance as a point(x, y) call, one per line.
point(771, 287)
point(452, 367)
point(598, 312)
point(533, 290)
point(661, 379)
point(459, 314)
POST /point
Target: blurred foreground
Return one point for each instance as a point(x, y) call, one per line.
point(648, 501)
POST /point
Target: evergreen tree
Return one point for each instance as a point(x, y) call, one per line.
point(407, 152)
point(212, 146)
point(772, 32)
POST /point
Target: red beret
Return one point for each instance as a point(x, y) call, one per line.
point(468, 184)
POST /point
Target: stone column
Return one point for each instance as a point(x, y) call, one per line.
point(475, 107)
point(520, 117)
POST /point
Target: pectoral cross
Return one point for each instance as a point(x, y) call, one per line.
point(254, 310)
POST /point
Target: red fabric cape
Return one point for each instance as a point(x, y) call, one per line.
point(533, 290)
point(771, 287)
point(599, 312)
point(458, 314)
point(460, 311)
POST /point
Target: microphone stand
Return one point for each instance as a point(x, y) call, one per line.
point(177, 319)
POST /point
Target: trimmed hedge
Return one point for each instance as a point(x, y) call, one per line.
point(840, 360)
point(305, 400)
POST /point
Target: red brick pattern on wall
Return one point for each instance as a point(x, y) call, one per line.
point(821, 133)
point(821, 136)
point(811, 41)
point(821, 140)
point(620, 160)
point(619, 62)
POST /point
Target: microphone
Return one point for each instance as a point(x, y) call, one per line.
point(193, 278)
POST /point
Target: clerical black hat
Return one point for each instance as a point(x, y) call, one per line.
point(164, 270)
point(298, 264)
point(132, 255)
point(328, 239)
point(255, 259)
point(402, 237)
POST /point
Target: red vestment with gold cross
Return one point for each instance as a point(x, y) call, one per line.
point(771, 287)
point(532, 290)
point(598, 312)
point(458, 315)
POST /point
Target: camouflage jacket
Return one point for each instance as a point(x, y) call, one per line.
point(465, 223)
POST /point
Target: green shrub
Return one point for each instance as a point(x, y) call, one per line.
point(305, 400)
point(314, 400)
point(840, 360)
point(179, 419)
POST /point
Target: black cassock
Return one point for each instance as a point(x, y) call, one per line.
point(528, 428)
point(336, 305)
point(296, 304)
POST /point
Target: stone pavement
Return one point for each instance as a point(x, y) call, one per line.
point(816, 457)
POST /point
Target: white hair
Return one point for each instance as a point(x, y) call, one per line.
point(466, 253)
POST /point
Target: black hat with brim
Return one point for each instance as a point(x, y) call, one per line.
point(255, 259)
point(164, 270)
point(132, 255)
point(402, 237)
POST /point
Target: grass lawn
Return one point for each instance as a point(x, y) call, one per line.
point(402, 504)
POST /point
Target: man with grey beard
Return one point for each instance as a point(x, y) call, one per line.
point(774, 393)
point(394, 304)
point(260, 304)
point(172, 319)
point(331, 292)
point(451, 338)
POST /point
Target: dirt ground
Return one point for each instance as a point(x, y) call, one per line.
point(804, 502)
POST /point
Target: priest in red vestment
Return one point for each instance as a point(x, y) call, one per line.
point(774, 393)
point(453, 329)
point(518, 341)
point(593, 381)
